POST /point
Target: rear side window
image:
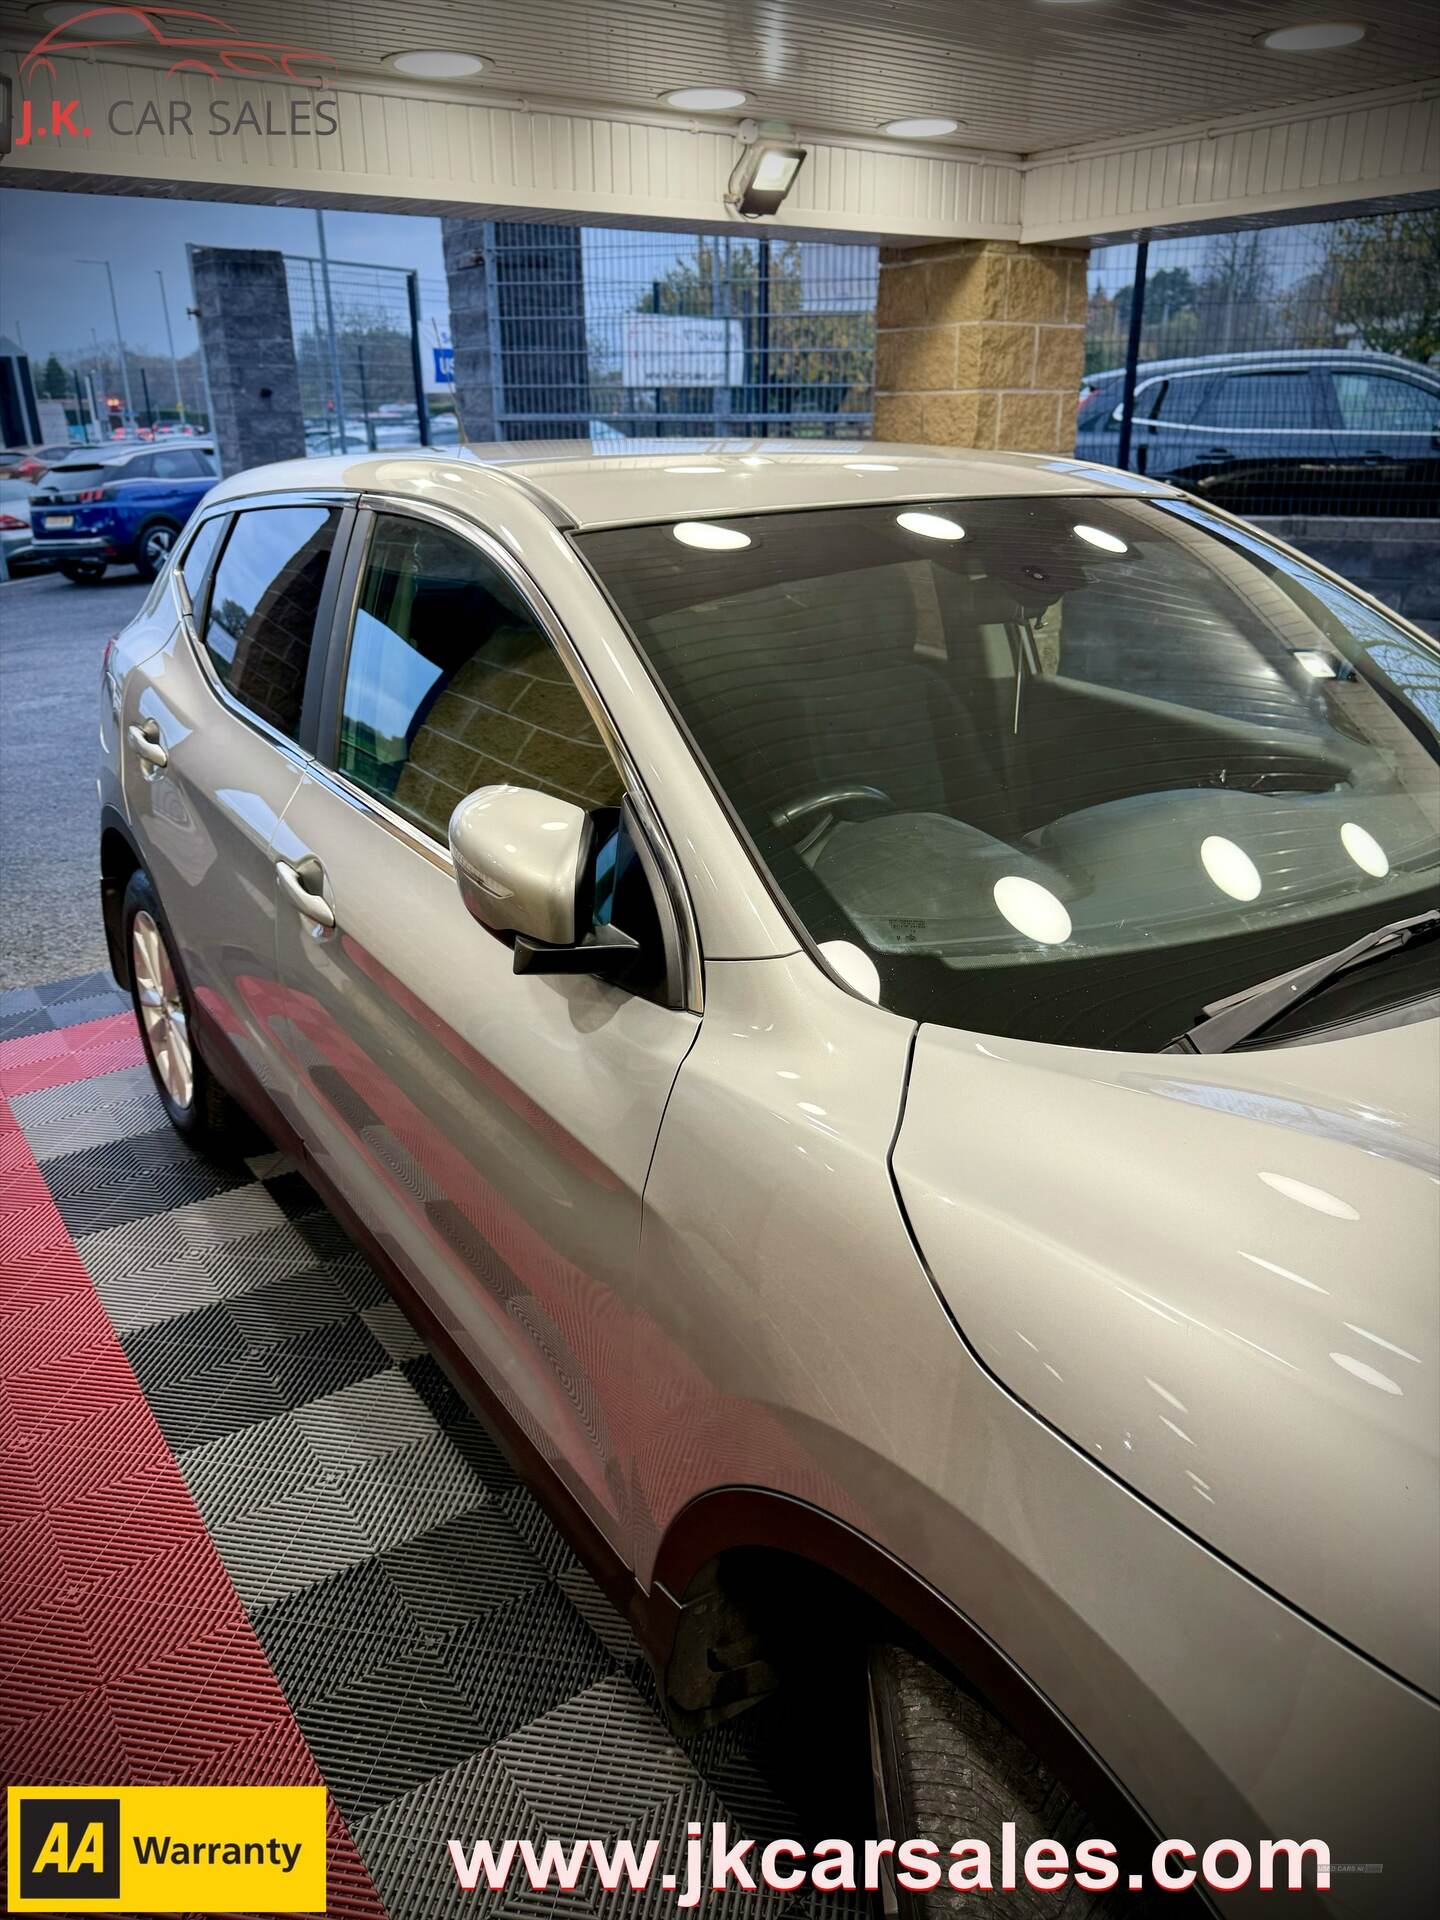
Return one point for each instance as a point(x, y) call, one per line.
point(1275, 400)
point(263, 604)
point(142, 467)
point(178, 463)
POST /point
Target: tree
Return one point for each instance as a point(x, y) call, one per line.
point(1232, 302)
point(1385, 281)
point(54, 382)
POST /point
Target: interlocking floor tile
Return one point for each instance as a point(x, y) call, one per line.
point(452, 1666)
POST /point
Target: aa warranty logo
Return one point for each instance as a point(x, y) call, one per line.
point(167, 1849)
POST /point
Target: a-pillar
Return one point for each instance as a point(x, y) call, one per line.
point(980, 343)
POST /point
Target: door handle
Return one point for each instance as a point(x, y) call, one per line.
point(145, 739)
point(313, 906)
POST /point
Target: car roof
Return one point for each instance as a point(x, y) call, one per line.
point(127, 449)
point(1353, 357)
point(583, 485)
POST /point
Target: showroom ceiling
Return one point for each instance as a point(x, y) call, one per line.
point(1017, 75)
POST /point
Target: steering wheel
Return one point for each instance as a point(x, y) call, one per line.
point(836, 802)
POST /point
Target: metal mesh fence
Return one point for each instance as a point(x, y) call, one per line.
point(1286, 370)
point(601, 332)
point(360, 357)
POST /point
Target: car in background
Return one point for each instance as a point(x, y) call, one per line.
point(16, 539)
point(868, 1007)
point(28, 463)
point(1307, 431)
point(109, 507)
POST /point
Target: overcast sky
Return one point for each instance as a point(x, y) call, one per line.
point(52, 303)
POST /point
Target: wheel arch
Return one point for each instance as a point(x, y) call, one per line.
point(757, 1529)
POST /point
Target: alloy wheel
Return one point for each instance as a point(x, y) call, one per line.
point(167, 1027)
point(157, 546)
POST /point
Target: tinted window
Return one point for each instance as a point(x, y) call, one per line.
point(451, 685)
point(263, 605)
point(196, 564)
point(1064, 769)
point(1376, 403)
point(142, 467)
point(177, 463)
point(1276, 400)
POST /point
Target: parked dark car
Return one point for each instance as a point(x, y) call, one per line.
point(1317, 431)
point(104, 508)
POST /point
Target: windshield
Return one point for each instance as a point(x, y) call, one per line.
point(1065, 768)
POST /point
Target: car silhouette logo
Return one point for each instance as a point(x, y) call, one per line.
point(200, 43)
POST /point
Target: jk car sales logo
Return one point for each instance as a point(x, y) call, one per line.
point(166, 1850)
point(192, 43)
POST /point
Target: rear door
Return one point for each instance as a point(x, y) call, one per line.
point(213, 745)
point(1387, 443)
point(492, 1129)
point(1259, 440)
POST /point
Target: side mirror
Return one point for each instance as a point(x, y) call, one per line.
point(524, 865)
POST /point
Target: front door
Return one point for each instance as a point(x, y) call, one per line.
point(492, 1129)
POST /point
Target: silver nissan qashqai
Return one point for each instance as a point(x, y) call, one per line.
point(880, 1007)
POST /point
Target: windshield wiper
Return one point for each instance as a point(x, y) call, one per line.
point(1225, 1023)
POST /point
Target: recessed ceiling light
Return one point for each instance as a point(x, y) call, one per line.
point(435, 64)
point(705, 533)
point(696, 467)
point(1319, 37)
point(870, 466)
point(101, 26)
point(706, 99)
point(921, 126)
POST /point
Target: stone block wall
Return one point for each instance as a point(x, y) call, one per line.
point(980, 344)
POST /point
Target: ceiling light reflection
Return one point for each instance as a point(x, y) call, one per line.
point(1230, 867)
point(934, 526)
point(1365, 850)
point(1032, 910)
point(705, 533)
point(1098, 537)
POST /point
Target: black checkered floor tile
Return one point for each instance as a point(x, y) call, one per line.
point(451, 1664)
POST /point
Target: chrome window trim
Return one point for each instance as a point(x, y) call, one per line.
point(1279, 366)
point(291, 748)
point(692, 993)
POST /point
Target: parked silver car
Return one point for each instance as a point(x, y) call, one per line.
point(879, 1004)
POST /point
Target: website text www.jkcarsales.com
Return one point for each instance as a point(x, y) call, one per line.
point(919, 1864)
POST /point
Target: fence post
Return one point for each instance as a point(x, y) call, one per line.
point(417, 365)
point(1132, 351)
point(338, 384)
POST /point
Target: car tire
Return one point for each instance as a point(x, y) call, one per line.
point(84, 573)
point(152, 548)
point(946, 1769)
point(197, 1106)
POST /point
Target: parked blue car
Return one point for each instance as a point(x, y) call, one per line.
point(106, 506)
point(1322, 430)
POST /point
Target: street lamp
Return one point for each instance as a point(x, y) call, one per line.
point(119, 339)
point(169, 335)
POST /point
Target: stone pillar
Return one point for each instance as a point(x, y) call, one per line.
point(980, 343)
point(469, 266)
point(249, 354)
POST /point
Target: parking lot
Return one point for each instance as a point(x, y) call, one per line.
point(52, 634)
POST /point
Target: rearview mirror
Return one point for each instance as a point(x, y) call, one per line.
point(524, 865)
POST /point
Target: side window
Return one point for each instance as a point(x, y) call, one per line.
point(263, 605)
point(1375, 403)
point(1273, 400)
point(176, 463)
point(451, 685)
point(142, 467)
point(195, 567)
